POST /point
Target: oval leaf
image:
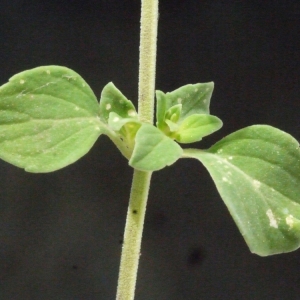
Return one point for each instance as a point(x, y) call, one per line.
point(48, 119)
point(257, 173)
point(195, 127)
point(153, 150)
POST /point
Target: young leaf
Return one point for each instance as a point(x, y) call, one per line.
point(195, 127)
point(48, 119)
point(153, 150)
point(257, 173)
point(112, 100)
point(195, 99)
point(172, 127)
point(173, 113)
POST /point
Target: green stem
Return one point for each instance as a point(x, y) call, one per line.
point(141, 180)
point(133, 235)
point(149, 20)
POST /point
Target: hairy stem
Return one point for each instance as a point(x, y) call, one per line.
point(141, 180)
point(149, 21)
point(133, 235)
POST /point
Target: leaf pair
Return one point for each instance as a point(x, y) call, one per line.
point(256, 169)
point(50, 117)
point(182, 115)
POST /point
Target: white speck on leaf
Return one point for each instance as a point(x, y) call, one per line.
point(220, 151)
point(179, 100)
point(290, 221)
point(273, 222)
point(116, 119)
point(22, 81)
point(230, 157)
point(196, 90)
point(226, 180)
point(76, 108)
point(256, 184)
point(48, 72)
point(131, 113)
point(108, 106)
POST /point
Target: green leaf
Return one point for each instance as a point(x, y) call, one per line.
point(257, 173)
point(48, 119)
point(195, 127)
point(194, 98)
point(112, 100)
point(173, 113)
point(153, 150)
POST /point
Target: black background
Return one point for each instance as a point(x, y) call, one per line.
point(60, 232)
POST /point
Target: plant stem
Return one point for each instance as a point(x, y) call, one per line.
point(141, 180)
point(149, 20)
point(133, 235)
